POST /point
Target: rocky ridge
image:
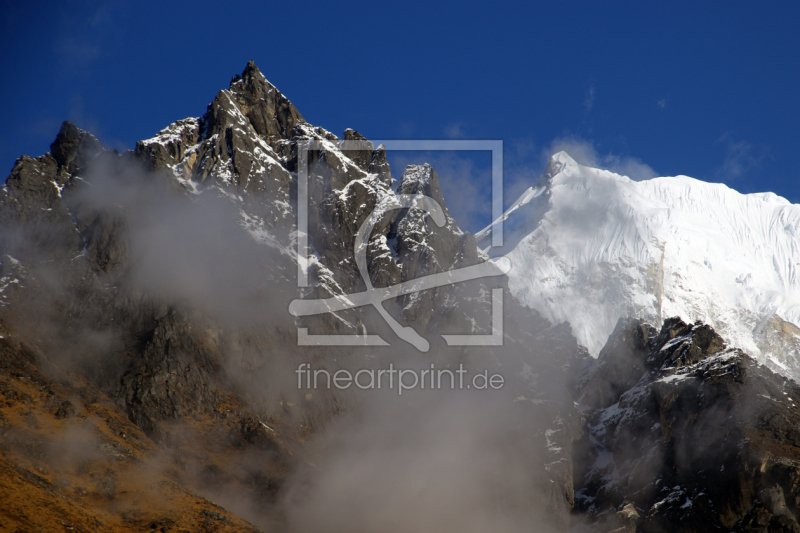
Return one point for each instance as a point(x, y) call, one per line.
point(685, 434)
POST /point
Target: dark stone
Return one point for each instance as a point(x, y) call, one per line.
point(363, 157)
point(703, 440)
point(74, 149)
point(272, 115)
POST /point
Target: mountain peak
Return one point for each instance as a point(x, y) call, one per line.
point(558, 163)
point(251, 66)
point(594, 246)
point(270, 112)
point(252, 72)
point(421, 179)
point(73, 147)
point(563, 158)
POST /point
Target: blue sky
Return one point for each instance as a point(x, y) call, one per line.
point(706, 89)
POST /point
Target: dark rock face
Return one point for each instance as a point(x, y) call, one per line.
point(176, 376)
point(362, 158)
point(619, 366)
point(424, 248)
point(175, 140)
point(36, 220)
point(270, 113)
point(704, 439)
point(73, 149)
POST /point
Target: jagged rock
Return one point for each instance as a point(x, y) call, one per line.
point(683, 344)
point(704, 440)
point(170, 146)
point(620, 364)
point(37, 223)
point(424, 248)
point(176, 376)
point(74, 149)
point(272, 115)
point(363, 157)
point(760, 520)
point(380, 166)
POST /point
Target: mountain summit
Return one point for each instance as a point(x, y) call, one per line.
point(589, 247)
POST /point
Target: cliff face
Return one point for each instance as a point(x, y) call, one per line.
point(684, 434)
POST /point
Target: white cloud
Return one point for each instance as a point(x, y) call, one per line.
point(662, 103)
point(739, 157)
point(585, 152)
point(466, 182)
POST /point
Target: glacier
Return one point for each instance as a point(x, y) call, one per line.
point(588, 247)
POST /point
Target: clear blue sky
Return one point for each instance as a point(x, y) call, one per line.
point(706, 89)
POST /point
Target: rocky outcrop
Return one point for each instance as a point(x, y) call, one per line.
point(424, 248)
point(703, 439)
point(271, 114)
point(176, 376)
point(74, 149)
point(36, 221)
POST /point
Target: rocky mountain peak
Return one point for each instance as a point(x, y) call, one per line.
point(363, 157)
point(251, 70)
point(368, 158)
point(694, 249)
point(73, 148)
point(681, 344)
point(271, 114)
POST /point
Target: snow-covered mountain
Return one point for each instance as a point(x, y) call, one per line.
point(589, 246)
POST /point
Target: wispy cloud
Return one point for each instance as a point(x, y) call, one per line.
point(740, 157)
point(454, 130)
point(466, 178)
point(662, 103)
point(525, 160)
point(588, 102)
point(586, 153)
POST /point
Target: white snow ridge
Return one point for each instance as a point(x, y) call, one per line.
point(589, 246)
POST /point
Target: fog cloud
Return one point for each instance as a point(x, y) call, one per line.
point(586, 153)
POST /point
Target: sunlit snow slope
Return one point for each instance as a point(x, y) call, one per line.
point(589, 246)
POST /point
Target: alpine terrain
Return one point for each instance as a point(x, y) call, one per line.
point(157, 371)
